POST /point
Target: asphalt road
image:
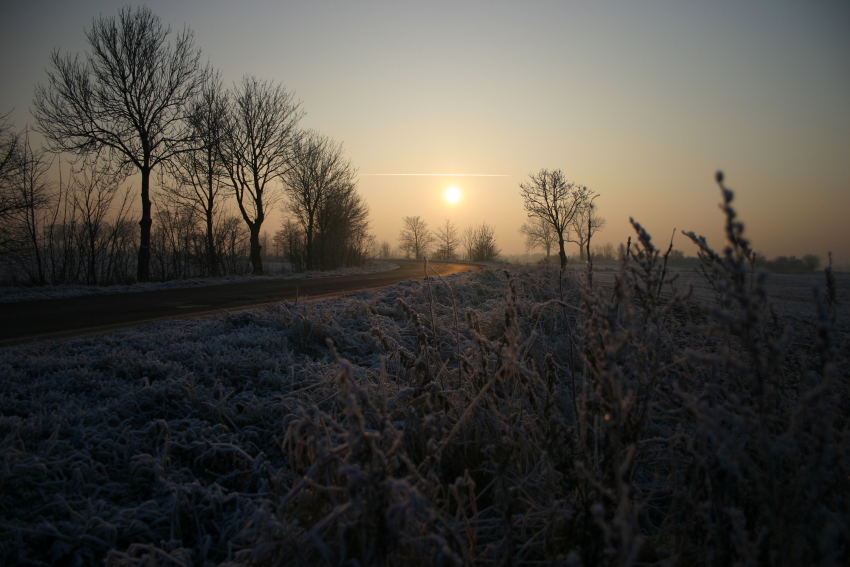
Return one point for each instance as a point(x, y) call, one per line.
point(65, 318)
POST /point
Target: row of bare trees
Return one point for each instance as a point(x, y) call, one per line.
point(78, 229)
point(475, 244)
point(139, 103)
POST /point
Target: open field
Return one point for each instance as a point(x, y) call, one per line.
point(791, 295)
point(487, 418)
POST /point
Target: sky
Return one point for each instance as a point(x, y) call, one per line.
point(642, 102)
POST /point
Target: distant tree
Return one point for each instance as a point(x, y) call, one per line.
point(176, 241)
point(538, 234)
point(789, 264)
point(415, 239)
point(606, 252)
point(129, 94)
point(232, 241)
point(550, 197)
point(385, 250)
point(480, 243)
point(675, 257)
point(94, 185)
point(584, 225)
point(290, 238)
point(447, 241)
point(256, 151)
point(811, 261)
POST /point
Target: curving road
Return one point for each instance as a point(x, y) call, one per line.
point(65, 318)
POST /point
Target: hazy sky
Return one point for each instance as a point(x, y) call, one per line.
point(640, 101)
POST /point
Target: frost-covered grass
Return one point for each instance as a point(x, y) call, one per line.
point(12, 294)
point(486, 418)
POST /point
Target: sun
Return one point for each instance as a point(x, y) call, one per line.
point(452, 195)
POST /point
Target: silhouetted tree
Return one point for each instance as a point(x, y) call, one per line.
point(608, 252)
point(129, 94)
point(256, 151)
point(290, 238)
point(550, 197)
point(30, 195)
point(415, 239)
point(199, 174)
point(10, 150)
point(447, 241)
point(321, 194)
point(811, 261)
point(342, 229)
point(94, 186)
point(480, 243)
point(538, 234)
point(584, 225)
point(232, 241)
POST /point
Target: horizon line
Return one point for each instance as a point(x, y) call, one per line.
point(436, 174)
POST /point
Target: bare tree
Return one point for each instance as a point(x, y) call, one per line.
point(30, 193)
point(232, 241)
point(199, 173)
point(320, 195)
point(94, 187)
point(447, 241)
point(538, 234)
point(415, 238)
point(342, 229)
point(385, 250)
point(584, 225)
point(290, 239)
point(607, 252)
point(10, 150)
point(129, 94)
point(256, 151)
point(480, 243)
point(549, 196)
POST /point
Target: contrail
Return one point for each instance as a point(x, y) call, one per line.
point(436, 174)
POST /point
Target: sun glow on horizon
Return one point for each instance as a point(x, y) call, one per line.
point(452, 195)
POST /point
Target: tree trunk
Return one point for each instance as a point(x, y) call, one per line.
point(308, 242)
point(212, 260)
point(256, 260)
point(144, 265)
point(562, 253)
point(92, 256)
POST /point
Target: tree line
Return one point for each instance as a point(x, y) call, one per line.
point(475, 244)
point(559, 211)
point(140, 102)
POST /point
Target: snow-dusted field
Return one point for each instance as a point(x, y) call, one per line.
point(451, 423)
point(791, 295)
point(11, 294)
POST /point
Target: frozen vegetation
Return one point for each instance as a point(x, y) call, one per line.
point(486, 418)
point(10, 294)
